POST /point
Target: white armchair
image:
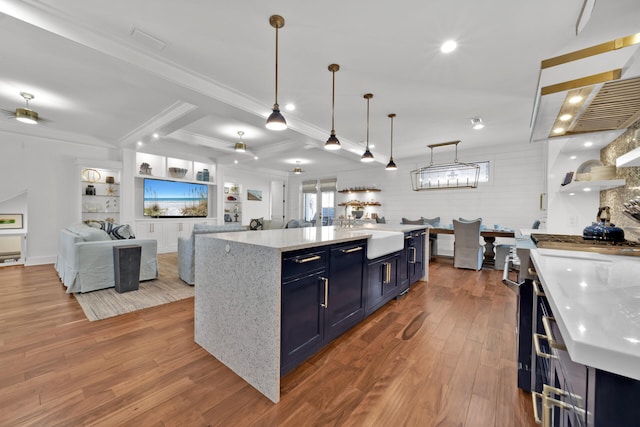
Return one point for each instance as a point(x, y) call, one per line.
point(467, 250)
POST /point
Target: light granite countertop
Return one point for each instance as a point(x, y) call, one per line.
point(595, 299)
point(290, 239)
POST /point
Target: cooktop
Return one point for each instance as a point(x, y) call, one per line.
point(571, 242)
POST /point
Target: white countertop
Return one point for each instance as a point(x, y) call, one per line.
point(595, 299)
point(306, 237)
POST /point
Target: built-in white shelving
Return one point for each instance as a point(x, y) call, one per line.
point(581, 186)
point(632, 158)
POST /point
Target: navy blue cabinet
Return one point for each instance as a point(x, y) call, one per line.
point(345, 305)
point(303, 300)
point(322, 297)
point(415, 256)
point(382, 281)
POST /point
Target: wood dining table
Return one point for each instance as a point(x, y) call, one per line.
point(488, 234)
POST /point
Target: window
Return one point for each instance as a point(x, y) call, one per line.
point(484, 171)
point(326, 204)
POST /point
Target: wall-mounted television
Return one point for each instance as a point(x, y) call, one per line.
point(174, 199)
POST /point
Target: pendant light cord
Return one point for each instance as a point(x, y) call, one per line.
point(333, 99)
point(276, 65)
point(391, 157)
point(368, 123)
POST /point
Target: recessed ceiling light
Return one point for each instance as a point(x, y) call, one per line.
point(235, 161)
point(139, 143)
point(558, 130)
point(572, 194)
point(155, 136)
point(588, 144)
point(290, 107)
point(587, 189)
point(572, 157)
point(372, 145)
point(255, 157)
point(565, 117)
point(575, 99)
point(476, 123)
point(448, 46)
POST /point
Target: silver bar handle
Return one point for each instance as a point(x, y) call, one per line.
point(308, 259)
point(388, 272)
point(539, 352)
point(325, 304)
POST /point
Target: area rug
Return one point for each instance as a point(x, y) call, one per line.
point(105, 303)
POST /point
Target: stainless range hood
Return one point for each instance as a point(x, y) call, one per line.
point(605, 76)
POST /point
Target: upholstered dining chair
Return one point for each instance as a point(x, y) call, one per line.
point(433, 238)
point(467, 250)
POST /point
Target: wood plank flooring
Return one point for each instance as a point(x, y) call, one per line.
point(443, 355)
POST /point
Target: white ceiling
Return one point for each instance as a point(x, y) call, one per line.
point(215, 75)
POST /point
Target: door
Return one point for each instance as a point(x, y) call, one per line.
point(345, 305)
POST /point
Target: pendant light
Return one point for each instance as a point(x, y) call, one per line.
point(297, 170)
point(276, 121)
point(333, 143)
point(367, 156)
point(391, 166)
point(240, 147)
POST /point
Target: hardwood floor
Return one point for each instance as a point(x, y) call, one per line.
point(443, 355)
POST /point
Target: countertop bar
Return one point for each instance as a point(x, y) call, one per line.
point(238, 294)
point(290, 239)
point(595, 299)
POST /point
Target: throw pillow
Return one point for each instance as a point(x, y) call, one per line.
point(256, 224)
point(413, 221)
point(114, 231)
point(121, 232)
point(432, 221)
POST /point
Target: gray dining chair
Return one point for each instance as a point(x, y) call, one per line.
point(467, 250)
point(433, 238)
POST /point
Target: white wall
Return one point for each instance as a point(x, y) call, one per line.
point(47, 170)
point(511, 198)
point(254, 180)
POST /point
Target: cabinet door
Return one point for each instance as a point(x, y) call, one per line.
point(403, 264)
point(382, 282)
point(416, 256)
point(150, 230)
point(303, 314)
point(346, 300)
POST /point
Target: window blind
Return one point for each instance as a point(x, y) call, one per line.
point(330, 184)
point(309, 187)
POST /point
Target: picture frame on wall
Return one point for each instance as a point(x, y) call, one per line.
point(10, 221)
point(255, 195)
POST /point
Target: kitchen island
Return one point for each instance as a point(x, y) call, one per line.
point(238, 290)
point(587, 336)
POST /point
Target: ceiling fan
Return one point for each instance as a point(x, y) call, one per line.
point(25, 115)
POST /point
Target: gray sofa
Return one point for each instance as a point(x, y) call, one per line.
point(186, 247)
point(85, 258)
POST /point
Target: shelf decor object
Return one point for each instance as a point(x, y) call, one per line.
point(10, 221)
point(91, 175)
point(276, 120)
point(333, 143)
point(445, 175)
